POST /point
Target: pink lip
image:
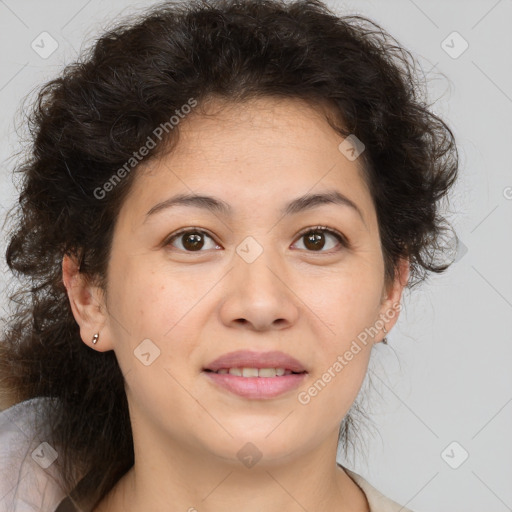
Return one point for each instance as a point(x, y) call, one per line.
point(257, 387)
point(250, 359)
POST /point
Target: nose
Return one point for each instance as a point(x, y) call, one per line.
point(258, 296)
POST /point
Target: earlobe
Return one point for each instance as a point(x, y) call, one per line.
point(86, 302)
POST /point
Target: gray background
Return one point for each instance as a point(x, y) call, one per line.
point(446, 375)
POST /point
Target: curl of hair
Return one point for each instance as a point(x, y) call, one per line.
point(87, 123)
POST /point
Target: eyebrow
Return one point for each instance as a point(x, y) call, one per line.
point(216, 205)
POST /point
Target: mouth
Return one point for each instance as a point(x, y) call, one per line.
point(256, 375)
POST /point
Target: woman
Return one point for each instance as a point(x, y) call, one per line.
point(223, 205)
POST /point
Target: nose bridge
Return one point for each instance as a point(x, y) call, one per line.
point(257, 265)
point(256, 295)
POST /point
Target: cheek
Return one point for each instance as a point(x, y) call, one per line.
point(346, 302)
point(150, 302)
point(151, 317)
point(150, 297)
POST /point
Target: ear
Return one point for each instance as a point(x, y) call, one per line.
point(87, 304)
point(390, 308)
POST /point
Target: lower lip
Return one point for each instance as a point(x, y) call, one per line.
point(257, 387)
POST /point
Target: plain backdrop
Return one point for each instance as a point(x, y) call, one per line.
point(442, 412)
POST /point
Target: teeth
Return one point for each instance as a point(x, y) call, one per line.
point(249, 372)
point(267, 372)
point(255, 372)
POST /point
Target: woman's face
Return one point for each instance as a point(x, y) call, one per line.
point(250, 276)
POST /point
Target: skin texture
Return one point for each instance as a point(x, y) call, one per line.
point(197, 305)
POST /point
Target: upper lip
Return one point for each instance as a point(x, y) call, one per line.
point(249, 359)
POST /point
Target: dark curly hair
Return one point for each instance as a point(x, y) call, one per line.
point(87, 123)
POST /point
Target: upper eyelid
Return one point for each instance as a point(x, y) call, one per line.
point(326, 229)
point(191, 229)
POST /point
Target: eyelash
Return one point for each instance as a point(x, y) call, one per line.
point(324, 229)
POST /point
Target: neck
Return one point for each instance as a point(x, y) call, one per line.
point(192, 482)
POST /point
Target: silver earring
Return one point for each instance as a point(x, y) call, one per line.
point(385, 340)
point(95, 338)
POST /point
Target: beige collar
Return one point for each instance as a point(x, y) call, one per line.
point(377, 501)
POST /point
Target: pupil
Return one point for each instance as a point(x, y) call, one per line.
point(315, 238)
point(196, 241)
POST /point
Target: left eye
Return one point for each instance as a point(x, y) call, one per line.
point(192, 240)
point(315, 238)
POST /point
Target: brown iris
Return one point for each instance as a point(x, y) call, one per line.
point(314, 240)
point(193, 241)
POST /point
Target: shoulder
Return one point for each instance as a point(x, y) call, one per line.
point(377, 501)
point(28, 473)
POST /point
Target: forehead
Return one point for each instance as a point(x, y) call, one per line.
point(259, 151)
point(256, 130)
